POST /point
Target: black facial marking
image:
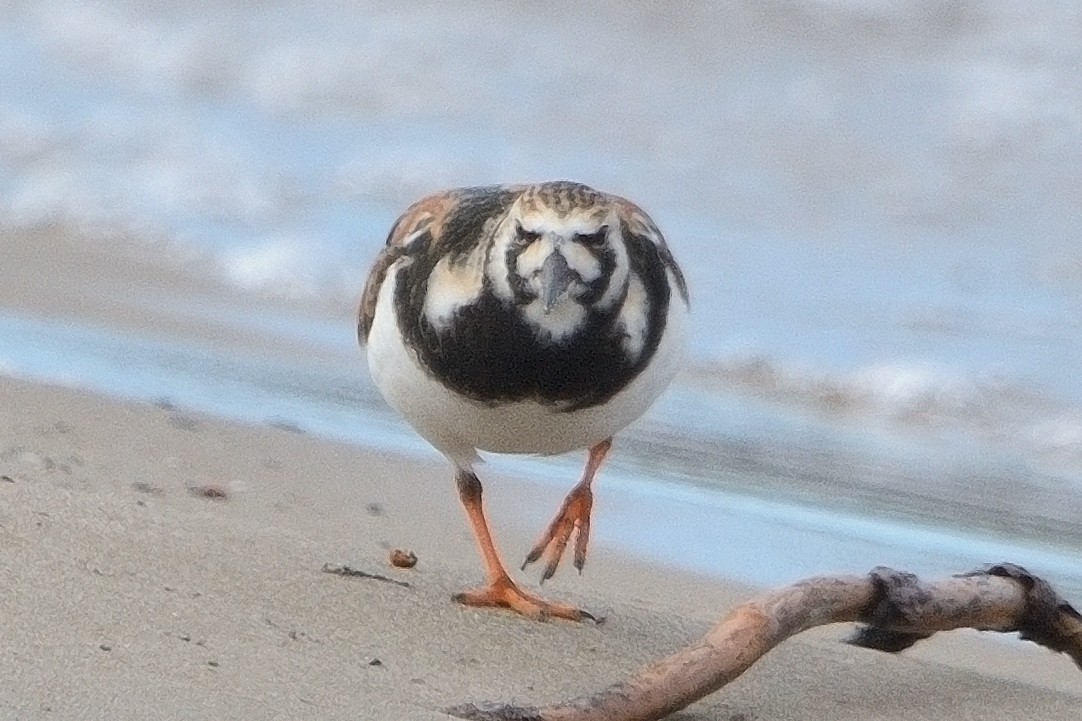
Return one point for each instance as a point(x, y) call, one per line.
point(490, 354)
point(525, 237)
point(520, 289)
point(595, 239)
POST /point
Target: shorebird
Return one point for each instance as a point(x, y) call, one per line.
point(530, 319)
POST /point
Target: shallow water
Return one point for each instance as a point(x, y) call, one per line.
point(877, 205)
point(692, 503)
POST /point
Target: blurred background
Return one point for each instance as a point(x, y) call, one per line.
point(877, 204)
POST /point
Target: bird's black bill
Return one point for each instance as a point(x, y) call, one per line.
point(556, 277)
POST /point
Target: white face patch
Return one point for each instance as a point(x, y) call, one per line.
point(633, 318)
point(564, 317)
point(563, 321)
point(581, 261)
point(452, 286)
point(529, 261)
point(556, 235)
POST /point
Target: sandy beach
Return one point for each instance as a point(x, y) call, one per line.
point(873, 206)
point(127, 596)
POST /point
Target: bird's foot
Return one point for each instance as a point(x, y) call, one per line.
point(504, 593)
point(574, 514)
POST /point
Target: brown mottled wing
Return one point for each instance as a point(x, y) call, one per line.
point(444, 222)
point(643, 225)
point(411, 233)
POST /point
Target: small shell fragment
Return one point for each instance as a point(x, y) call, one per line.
point(403, 559)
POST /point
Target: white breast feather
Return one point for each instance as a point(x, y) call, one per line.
point(633, 317)
point(562, 321)
point(452, 286)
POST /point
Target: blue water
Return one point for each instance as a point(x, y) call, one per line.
point(734, 533)
point(875, 202)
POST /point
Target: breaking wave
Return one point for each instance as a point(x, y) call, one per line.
point(829, 169)
point(916, 397)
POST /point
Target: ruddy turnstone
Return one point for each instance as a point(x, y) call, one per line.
point(534, 319)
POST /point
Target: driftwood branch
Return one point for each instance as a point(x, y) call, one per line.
point(896, 610)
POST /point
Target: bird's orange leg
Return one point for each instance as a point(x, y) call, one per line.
point(574, 514)
point(501, 591)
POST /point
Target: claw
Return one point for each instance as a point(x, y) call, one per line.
point(573, 516)
point(504, 593)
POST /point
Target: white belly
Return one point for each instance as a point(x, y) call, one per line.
point(458, 426)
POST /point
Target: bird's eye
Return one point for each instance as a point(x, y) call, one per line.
point(593, 239)
point(526, 236)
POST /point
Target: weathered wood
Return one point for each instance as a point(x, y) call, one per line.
point(896, 609)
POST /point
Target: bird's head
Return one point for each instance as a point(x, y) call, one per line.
point(557, 254)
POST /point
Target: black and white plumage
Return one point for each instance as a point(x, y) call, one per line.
point(533, 319)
